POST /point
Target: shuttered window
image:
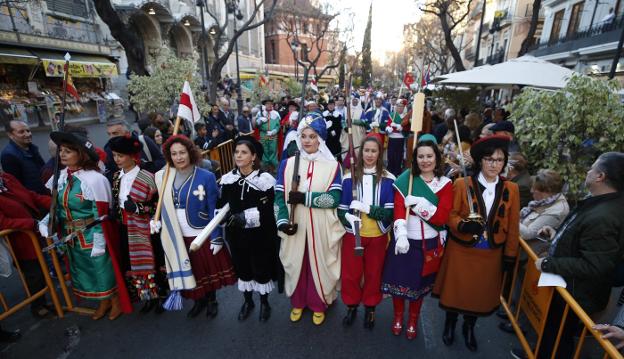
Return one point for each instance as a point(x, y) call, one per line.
point(69, 7)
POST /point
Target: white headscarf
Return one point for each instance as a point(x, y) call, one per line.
point(322, 153)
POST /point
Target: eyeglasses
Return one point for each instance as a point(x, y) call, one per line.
point(492, 161)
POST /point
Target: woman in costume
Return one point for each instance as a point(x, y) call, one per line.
point(189, 199)
point(470, 278)
point(374, 204)
point(412, 260)
point(310, 248)
point(84, 196)
point(396, 139)
point(251, 231)
point(134, 195)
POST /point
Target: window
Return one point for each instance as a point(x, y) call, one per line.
point(556, 27)
point(575, 18)
point(69, 7)
point(273, 53)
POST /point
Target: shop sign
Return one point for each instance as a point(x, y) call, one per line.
point(54, 68)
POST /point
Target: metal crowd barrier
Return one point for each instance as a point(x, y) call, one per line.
point(224, 155)
point(534, 302)
point(30, 297)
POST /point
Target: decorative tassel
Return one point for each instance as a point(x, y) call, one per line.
point(174, 301)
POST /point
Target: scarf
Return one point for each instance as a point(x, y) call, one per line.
point(524, 212)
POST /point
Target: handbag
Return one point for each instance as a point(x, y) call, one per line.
point(432, 258)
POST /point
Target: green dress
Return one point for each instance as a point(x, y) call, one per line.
point(92, 277)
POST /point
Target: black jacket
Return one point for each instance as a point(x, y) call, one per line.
point(588, 249)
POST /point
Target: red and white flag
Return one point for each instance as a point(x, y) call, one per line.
point(313, 84)
point(188, 108)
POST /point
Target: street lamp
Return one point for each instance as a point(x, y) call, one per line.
point(204, 42)
point(294, 45)
point(232, 8)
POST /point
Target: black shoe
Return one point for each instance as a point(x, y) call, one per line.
point(149, 305)
point(448, 337)
point(469, 337)
point(501, 313)
point(349, 318)
point(369, 318)
point(159, 309)
point(9, 337)
point(518, 353)
point(246, 310)
point(265, 312)
point(198, 307)
point(213, 309)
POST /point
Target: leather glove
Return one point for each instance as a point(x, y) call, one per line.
point(287, 228)
point(360, 206)
point(237, 220)
point(130, 206)
point(352, 219)
point(155, 226)
point(400, 233)
point(215, 248)
point(470, 227)
point(295, 197)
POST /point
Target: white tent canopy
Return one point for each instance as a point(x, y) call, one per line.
point(523, 71)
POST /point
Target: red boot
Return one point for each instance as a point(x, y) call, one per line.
point(399, 308)
point(414, 312)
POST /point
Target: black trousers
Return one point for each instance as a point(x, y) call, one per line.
point(34, 280)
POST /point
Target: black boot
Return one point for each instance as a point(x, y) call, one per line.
point(247, 307)
point(468, 332)
point(213, 306)
point(369, 317)
point(449, 328)
point(149, 305)
point(265, 308)
point(349, 318)
point(198, 306)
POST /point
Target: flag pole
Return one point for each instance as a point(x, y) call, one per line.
point(176, 128)
point(418, 108)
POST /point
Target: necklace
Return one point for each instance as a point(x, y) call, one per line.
point(426, 180)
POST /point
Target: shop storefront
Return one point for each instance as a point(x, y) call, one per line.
point(31, 87)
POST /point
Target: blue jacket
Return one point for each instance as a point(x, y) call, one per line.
point(199, 195)
point(245, 124)
point(383, 198)
point(25, 165)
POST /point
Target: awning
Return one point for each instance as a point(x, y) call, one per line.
point(15, 55)
point(79, 65)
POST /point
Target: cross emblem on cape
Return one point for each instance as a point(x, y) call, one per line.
point(80, 196)
point(199, 192)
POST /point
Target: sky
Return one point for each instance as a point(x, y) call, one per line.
point(389, 16)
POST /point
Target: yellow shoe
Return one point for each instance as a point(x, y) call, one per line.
point(295, 314)
point(318, 318)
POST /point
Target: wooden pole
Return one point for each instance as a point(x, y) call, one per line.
point(176, 128)
point(418, 110)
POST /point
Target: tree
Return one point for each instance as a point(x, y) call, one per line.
point(566, 130)
point(530, 37)
point(224, 46)
point(367, 63)
point(162, 89)
point(451, 14)
point(316, 35)
point(126, 33)
point(429, 46)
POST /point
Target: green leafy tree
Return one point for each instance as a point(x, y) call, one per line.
point(161, 90)
point(566, 130)
point(293, 87)
point(367, 62)
point(457, 99)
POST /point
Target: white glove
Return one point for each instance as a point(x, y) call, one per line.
point(155, 226)
point(270, 133)
point(99, 245)
point(352, 219)
point(333, 133)
point(443, 236)
point(43, 226)
point(374, 124)
point(424, 209)
point(328, 124)
point(215, 248)
point(397, 127)
point(389, 129)
point(411, 201)
point(360, 206)
point(400, 234)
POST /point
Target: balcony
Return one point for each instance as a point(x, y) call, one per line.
point(496, 58)
point(601, 33)
point(469, 53)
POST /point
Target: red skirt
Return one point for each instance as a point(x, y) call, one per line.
point(211, 272)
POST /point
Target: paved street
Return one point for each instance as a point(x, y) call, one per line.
point(172, 335)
